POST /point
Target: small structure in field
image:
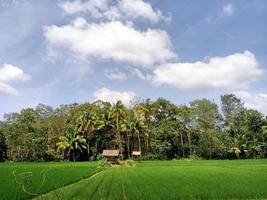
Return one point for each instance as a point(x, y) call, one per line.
point(136, 154)
point(111, 155)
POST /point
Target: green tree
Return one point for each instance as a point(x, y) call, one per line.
point(118, 114)
point(3, 147)
point(146, 111)
point(208, 121)
point(72, 143)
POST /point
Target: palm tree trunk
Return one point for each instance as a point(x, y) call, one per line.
point(88, 146)
point(189, 143)
point(119, 136)
point(182, 143)
point(139, 143)
point(73, 156)
point(128, 146)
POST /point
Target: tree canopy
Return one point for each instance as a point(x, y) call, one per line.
point(158, 129)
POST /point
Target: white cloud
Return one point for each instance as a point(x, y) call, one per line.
point(228, 10)
point(112, 40)
point(121, 9)
point(113, 96)
point(230, 72)
point(94, 7)
point(116, 75)
point(254, 101)
point(5, 88)
point(11, 74)
point(138, 8)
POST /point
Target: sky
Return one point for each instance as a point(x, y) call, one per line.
point(64, 51)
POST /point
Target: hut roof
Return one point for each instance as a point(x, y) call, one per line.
point(111, 153)
point(136, 153)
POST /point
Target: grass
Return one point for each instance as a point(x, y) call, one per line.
point(55, 174)
point(154, 180)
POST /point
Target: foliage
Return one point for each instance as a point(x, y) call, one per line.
point(158, 129)
point(127, 163)
point(104, 163)
point(3, 147)
point(72, 143)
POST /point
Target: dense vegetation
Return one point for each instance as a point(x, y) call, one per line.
point(159, 129)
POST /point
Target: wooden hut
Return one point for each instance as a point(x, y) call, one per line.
point(111, 155)
point(136, 154)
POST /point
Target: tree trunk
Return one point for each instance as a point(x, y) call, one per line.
point(210, 149)
point(73, 156)
point(189, 143)
point(128, 148)
point(264, 147)
point(119, 137)
point(88, 146)
point(182, 143)
point(139, 144)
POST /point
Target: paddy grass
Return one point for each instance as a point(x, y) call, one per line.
point(37, 178)
point(154, 180)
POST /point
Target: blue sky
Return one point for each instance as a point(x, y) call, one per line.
point(58, 52)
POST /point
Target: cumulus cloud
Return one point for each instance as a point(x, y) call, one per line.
point(230, 72)
point(112, 40)
point(113, 96)
point(11, 74)
point(131, 9)
point(228, 10)
point(256, 101)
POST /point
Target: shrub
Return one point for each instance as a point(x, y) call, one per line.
point(127, 163)
point(104, 163)
point(51, 155)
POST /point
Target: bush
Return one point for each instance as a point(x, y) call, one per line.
point(127, 163)
point(104, 163)
point(194, 157)
point(51, 155)
point(151, 156)
point(99, 157)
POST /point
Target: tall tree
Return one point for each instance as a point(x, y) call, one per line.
point(118, 116)
point(208, 122)
point(146, 111)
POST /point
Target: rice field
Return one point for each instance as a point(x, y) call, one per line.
point(151, 180)
point(25, 180)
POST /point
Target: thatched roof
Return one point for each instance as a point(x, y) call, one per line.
point(136, 153)
point(111, 153)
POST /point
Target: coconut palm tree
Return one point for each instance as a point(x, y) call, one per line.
point(71, 143)
point(118, 114)
point(126, 128)
point(146, 111)
point(88, 123)
point(137, 127)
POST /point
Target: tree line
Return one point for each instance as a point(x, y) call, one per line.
point(158, 129)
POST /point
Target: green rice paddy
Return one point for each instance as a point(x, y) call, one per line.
point(151, 180)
